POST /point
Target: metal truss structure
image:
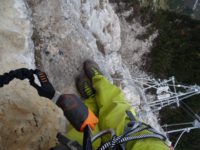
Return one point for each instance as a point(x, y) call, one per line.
point(166, 93)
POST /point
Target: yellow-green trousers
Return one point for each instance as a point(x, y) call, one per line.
point(110, 106)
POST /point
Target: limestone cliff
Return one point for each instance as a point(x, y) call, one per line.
point(27, 121)
point(66, 32)
point(59, 35)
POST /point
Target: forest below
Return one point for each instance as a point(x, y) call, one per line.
point(175, 52)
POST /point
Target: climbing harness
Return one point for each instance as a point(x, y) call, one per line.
point(134, 126)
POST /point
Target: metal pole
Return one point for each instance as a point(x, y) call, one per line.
point(179, 130)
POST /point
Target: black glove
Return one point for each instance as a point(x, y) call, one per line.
point(77, 112)
point(74, 109)
point(46, 89)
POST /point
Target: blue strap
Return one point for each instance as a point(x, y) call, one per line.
point(87, 143)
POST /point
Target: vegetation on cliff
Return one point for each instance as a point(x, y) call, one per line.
point(175, 52)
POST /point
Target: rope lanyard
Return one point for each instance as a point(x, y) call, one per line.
point(133, 127)
point(21, 74)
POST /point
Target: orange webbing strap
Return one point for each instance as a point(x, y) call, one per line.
point(91, 121)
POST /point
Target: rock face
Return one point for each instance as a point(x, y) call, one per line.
point(28, 122)
point(15, 34)
point(25, 118)
point(66, 32)
point(135, 41)
point(63, 34)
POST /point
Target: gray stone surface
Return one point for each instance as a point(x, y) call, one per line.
point(54, 35)
point(27, 121)
point(67, 32)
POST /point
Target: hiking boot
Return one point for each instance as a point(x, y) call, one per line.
point(91, 69)
point(84, 86)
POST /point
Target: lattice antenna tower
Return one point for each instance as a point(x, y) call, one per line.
point(158, 94)
point(166, 92)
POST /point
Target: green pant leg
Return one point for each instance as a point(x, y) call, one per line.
point(74, 135)
point(112, 105)
point(92, 105)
